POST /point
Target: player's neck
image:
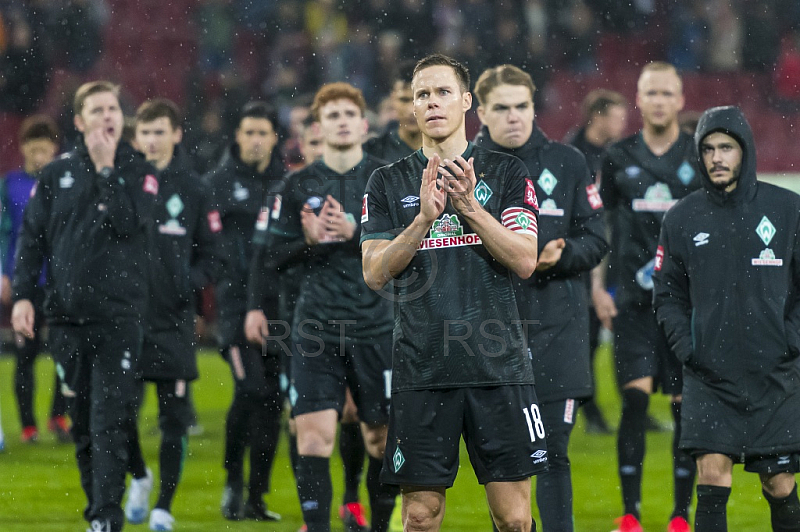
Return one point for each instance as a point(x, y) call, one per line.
point(660, 140)
point(161, 164)
point(413, 139)
point(341, 161)
point(448, 148)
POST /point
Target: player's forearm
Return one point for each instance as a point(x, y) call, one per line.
point(516, 251)
point(599, 276)
point(383, 260)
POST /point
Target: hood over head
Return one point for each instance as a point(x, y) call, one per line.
point(731, 121)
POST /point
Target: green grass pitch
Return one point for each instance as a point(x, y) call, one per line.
point(39, 488)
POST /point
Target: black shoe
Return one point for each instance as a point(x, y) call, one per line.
point(257, 511)
point(232, 503)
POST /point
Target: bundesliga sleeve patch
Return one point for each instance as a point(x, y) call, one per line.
point(365, 209)
point(659, 259)
point(520, 220)
point(214, 221)
point(276, 207)
point(150, 184)
point(530, 194)
point(263, 220)
point(592, 194)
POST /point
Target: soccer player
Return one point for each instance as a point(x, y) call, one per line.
point(449, 245)
point(555, 298)
point(642, 176)
point(403, 137)
point(38, 137)
point(245, 176)
point(727, 278)
point(90, 217)
point(183, 260)
point(341, 336)
point(605, 115)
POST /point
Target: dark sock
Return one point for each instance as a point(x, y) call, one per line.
point(381, 496)
point(315, 491)
point(711, 515)
point(683, 469)
point(265, 430)
point(136, 465)
point(293, 453)
point(785, 512)
point(171, 457)
point(630, 447)
point(351, 447)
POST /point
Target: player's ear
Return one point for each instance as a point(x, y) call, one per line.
point(178, 135)
point(79, 125)
point(466, 101)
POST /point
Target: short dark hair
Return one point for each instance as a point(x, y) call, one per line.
point(258, 109)
point(599, 101)
point(88, 89)
point(442, 60)
point(38, 127)
point(502, 75)
point(337, 91)
point(159, 108)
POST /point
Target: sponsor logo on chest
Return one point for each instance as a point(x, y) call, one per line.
point(657, 198)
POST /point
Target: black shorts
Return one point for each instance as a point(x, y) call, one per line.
point(764, 464)
point(641, 350)
point(320, 373)
point(502, 428)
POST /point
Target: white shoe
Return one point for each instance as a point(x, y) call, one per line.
point(138, 505)
point(161, 520)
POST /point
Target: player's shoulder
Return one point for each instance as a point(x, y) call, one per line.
point(770, 194)
point(498, 161)
point(372, 163)
point(619, 148)
point(566, 153)
point(685, 209)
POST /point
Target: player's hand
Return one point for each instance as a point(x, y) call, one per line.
point(550, 254)
point(459, 183)
point(312, 226)
point(605, 308)
point(101, 147)
point(22, 318)
point(432, 197)
point(338, 227)
point(5, 291)
point(256, 327)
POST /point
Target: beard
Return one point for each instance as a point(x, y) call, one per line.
point(722, 185)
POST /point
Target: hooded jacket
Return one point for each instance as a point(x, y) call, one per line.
point(185, 258)
point(556, 299)
point(727, 281)
point(238, 191)
point(94, 233)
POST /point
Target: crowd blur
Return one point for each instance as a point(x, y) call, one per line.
point(282, 50)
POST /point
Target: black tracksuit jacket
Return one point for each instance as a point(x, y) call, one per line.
point(727, 293)
point(238, 191)
point(185, 258)
point(94, 233)
point(556, 299)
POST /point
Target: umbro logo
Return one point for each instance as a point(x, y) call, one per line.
point(410, 201)
point(538, 454)
point(701, 239)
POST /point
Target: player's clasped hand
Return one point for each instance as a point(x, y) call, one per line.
point(459, 183)
point(432, 196)
point(331, 225)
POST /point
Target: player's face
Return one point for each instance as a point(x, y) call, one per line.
point(439, 104)
point(508, 114)
point(722, 157)
point(256, 138)
point(614, 122)
point(342, 124)
point(37, 153)
point(403, 103)
point(157, 140)
point(311, 143)
point(101, 110)
point(659, 98)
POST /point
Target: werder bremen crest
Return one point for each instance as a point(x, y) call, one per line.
point(547, 181)
point(482, 192)
point(766, 230)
